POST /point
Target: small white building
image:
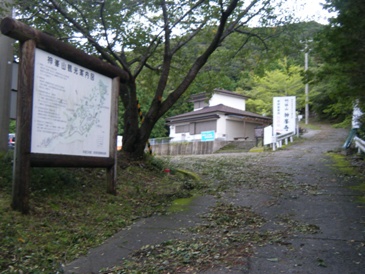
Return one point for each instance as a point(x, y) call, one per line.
point(224, 114)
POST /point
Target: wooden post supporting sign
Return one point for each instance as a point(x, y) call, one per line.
point(21, 172)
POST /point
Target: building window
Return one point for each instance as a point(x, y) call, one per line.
point(203, 126)
point(182, 129)
point(200, 104)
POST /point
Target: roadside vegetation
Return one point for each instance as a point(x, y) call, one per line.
point(71, 212)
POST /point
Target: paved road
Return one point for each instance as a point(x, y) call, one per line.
point(311, 191)
point(320, 197)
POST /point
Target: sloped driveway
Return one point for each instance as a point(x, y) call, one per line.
point(289, 211)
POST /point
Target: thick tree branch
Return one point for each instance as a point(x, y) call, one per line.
point(149, 52)
point(167, 55)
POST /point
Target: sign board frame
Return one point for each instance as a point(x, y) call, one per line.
point(284, 114)
point(24, 158)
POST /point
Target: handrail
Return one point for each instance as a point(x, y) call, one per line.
point(277, 140)
point(284, 136)
point(359, 144)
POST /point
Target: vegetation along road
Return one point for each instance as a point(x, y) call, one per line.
point(297, 210)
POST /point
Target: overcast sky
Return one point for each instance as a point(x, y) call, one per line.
point(311, 10)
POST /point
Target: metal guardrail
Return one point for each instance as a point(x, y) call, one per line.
point(359, 144)
point(350, 138)
point(278, 140)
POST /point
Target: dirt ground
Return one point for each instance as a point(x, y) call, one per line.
point(305, 205)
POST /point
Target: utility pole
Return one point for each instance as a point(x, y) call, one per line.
point(6, 62)
point(306, 59)
point(306, 84)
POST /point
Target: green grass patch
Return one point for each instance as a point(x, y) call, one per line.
point(360, 188)
point(311, 125)
point(343, 164)
point(257, 149)
point(71, 211)
point(181, 204)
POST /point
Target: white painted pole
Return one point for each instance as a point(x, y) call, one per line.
point(306, 86)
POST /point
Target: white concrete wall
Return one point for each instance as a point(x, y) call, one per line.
point(229, 101)
point(250, 131)
point(234, 129)
point(221, 127)
point(219, 133)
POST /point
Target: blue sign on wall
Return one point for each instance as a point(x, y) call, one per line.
point(208, 136)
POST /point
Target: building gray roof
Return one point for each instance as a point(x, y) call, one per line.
point(203, 95)
point(212, 112)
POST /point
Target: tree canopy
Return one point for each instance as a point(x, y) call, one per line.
point(152, 38)
point(285, 80)
point(340, 45)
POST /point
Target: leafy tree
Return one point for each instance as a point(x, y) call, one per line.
point(149, 37)
point(342, 45)
point(285, 80)
point(326, 99)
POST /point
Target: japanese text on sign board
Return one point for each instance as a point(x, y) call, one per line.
point(284, 114)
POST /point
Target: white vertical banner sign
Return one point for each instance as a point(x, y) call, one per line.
point(284, 114)
point(71, 108)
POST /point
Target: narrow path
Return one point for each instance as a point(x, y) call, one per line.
point(316, 194)
point(296, 190)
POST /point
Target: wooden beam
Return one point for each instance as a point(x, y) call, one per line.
point(22, 32)
point(56, 160)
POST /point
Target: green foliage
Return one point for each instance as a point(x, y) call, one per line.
point(71, 211)
point(12, 126)
point(344, 41)
point(340, 45)
point(162, 45)
point(285, 80)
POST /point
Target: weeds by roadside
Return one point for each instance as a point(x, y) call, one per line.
point(71, 212)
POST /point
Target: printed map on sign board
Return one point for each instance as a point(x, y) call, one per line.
point(71, 108)
point(284, 114)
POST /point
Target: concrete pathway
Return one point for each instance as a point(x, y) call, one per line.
point(318, 194)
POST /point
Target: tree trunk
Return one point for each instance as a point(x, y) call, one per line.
point(133, 143)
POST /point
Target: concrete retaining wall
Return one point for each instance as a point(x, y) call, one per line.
point(196, 147)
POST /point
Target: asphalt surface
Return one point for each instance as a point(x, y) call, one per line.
point(320, 195)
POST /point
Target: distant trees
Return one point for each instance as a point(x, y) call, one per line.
point(342, 53)
point(284, 80)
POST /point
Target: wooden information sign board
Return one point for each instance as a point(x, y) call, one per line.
point(67, 109)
